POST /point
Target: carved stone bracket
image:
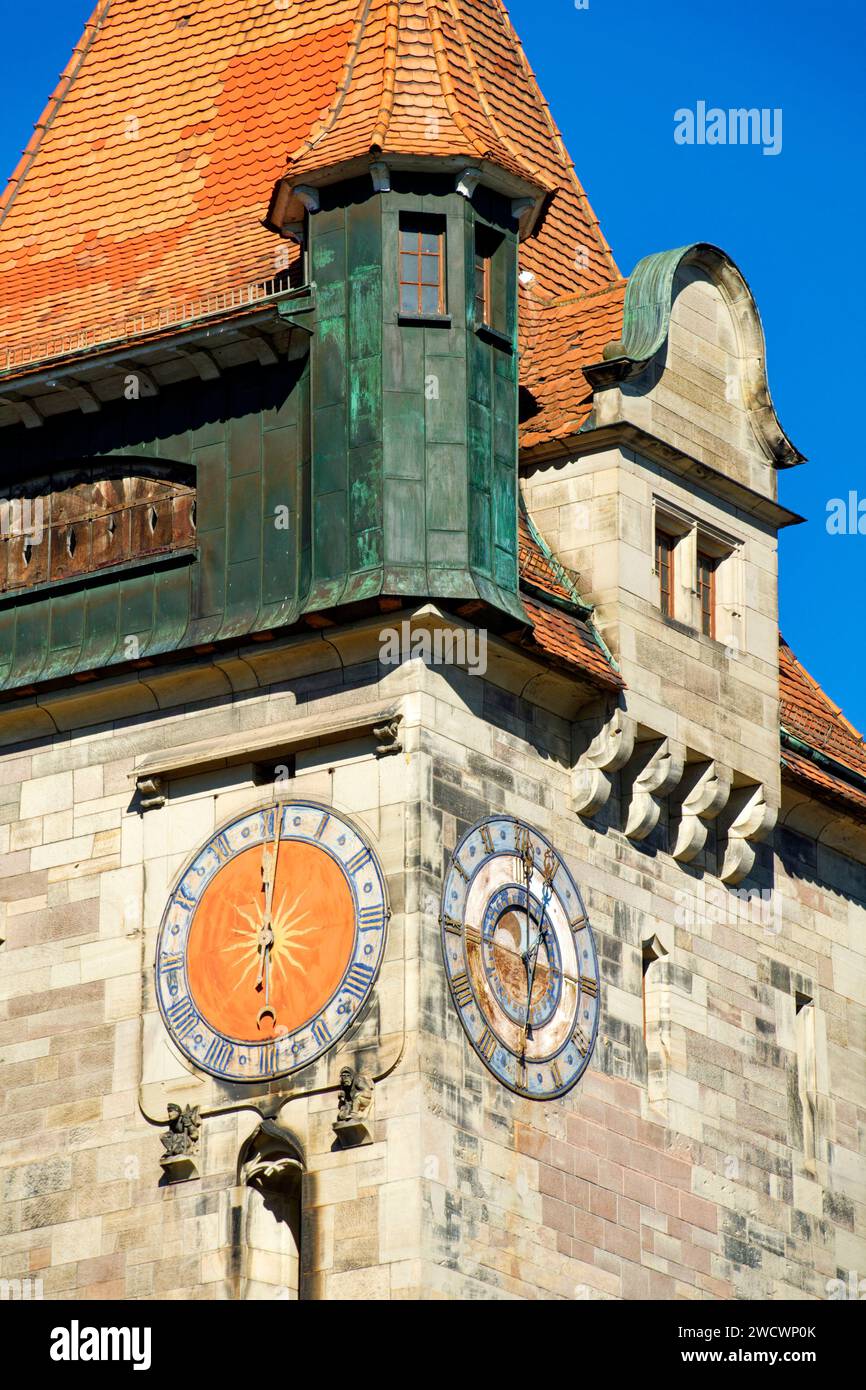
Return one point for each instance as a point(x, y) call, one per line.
point(381, 176)
point(388, 740)
point(353, 1125)
point(707, 788)
point(608, 752)
point(152, 793)
point(749, 819)
point(661, 771)
point(179, 1161)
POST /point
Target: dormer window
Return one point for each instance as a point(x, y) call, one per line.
point(697, 575)
point(422, 266)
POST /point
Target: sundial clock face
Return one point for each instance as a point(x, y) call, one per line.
point(520, 957)
point(271, 941)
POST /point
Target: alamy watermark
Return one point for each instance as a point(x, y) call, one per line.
point(846, 516)
point(731, 907)
point(739, 126)
point(22, 517)
point(465, 647)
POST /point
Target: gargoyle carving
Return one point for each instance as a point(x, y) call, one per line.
point(352, 1126)
point(609, 750)
point(658, 776)
point(708, 786)
point(750, 819)
point(181, 1143)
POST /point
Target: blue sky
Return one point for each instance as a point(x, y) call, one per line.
point(614, 73)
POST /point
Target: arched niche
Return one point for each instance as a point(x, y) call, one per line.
point(270, 1192)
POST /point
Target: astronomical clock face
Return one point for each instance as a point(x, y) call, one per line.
point(271, 942)
point(520, 958)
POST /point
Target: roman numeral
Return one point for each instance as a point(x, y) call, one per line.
point(183, 1017)
point(268, 1059)
point(187, 899)
point(322, 825)
point(358, 861)
point(357, 981)
point(581, 1041)
point(487, 838)
point(452, 925)
point(589, 985)
point(579, 923)
point(219, 1054)
point(221, 848)
point(321, 1032)
point(473, 936)
point(460, 869)
point(462, 989)
point(556, 1074)
point(487, 1045)
point(167, 963)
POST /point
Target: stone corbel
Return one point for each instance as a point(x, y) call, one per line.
point(708, 788)
point(468, 181)
point(308, 196)
point(661, 772)
point(381, 176)
point(388, 741)
point(152, 793)
point(608, 752)
point(750, 818)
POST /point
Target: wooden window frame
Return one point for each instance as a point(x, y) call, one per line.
point(707, 565)
point(434, 227)
point(483, 264)
point(666, 546)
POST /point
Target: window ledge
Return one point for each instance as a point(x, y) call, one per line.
point(428, 320)
point(494, 335)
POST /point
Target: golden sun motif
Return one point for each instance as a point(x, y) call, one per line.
point(288, 939)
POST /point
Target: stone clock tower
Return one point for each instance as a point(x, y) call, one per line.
point(538, 973)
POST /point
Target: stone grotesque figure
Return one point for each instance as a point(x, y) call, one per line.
point(356, 1097)
point(183, 1130)
point(181, 1142)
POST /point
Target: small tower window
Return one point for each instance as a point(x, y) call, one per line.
point(665, 546)
point(490, 288)
point(707, 567)
point(422, 266)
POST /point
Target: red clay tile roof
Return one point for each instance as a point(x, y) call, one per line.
point(571, 640)
point(559, 341)
point(568, 637)
point(537, 565)
point(811, 717)
point(138, 203)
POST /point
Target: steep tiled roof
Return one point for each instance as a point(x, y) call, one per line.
point(560, 339)
point(568, 635)
point(821, 748)
point(139, 201)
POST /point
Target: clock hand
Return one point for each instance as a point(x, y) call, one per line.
point(270, 855)
point(530, 960)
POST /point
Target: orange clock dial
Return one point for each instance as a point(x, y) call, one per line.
point(313, 923)
point(271, 941)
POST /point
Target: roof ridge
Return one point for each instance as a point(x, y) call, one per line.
point(362, 14)
point(559, 142)
point(52, 106)
point(389, 76)
point(473, 68)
